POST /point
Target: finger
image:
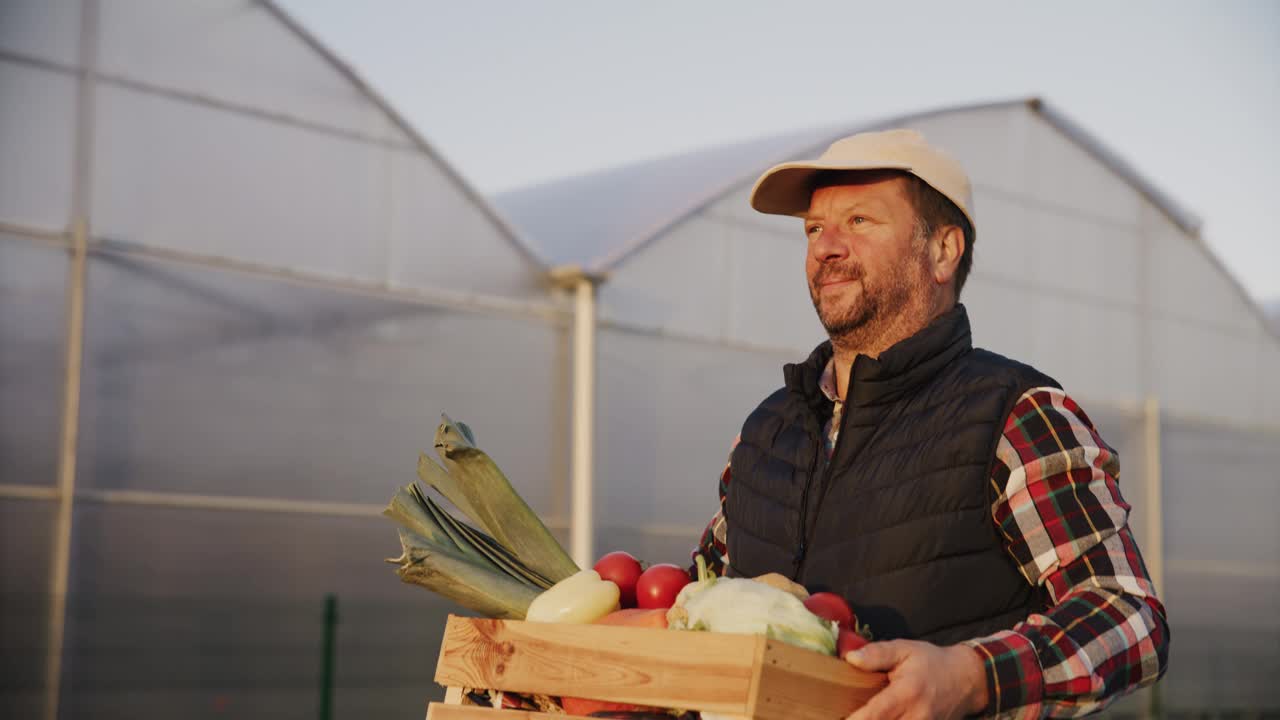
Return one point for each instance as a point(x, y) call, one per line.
point(878, 656)
point(888, 704)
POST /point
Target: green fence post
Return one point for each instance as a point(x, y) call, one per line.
point(326, 668)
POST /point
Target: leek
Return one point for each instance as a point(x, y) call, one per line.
point(496, 569)
point(497, 506)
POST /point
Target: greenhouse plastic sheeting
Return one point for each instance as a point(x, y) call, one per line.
point(37, 140)
point(46, 30)
point(669, 410)
point(26, 534)
point(196, 613)
point(1223, 578)
point(32, 357)
point(205, 382)
point(238, 53)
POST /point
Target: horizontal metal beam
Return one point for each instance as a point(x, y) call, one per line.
point(242, 503)
point(40, 235)
point(195, 502)
point(229, 502)
point(29, 492)
point(436, 297)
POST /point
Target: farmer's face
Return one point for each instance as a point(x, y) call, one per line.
point(865, 262)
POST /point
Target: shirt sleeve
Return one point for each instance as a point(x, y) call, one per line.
point(713, 545)
point(1059, 508)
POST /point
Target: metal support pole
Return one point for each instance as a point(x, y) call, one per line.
point(1153, 543)
point(581, 513)
point(60, 571)
point(582, 517)
point(60, 558)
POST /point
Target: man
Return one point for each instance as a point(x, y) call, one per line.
point(962, 502)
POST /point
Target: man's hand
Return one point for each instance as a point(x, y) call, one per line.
point(925, 680)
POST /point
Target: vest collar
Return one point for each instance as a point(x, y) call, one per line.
point(899, 370)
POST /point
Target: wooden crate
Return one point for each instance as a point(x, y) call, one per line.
point(740, 675)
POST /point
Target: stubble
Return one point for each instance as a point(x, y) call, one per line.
point(885, 310)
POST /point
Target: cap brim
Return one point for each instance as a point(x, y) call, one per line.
point(785, 189)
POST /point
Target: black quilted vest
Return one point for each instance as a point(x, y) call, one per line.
point(899, 521)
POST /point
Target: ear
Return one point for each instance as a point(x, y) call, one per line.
point(945, 250)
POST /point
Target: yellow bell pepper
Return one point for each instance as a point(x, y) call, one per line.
point(580, 598)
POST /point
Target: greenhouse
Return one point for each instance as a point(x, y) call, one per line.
point(1082, 268)
point(237, 290)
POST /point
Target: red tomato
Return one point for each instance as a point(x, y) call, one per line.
point(623, 570)
point(848, 640)
point(659, 585)
point(830, 606)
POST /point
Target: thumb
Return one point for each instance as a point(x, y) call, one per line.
point(878, 656)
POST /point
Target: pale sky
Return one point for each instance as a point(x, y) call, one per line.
point(514, 92)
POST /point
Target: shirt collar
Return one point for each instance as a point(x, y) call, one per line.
point(885, 379)
point(827, 381)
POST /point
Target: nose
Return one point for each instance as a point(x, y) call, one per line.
point(829, 245)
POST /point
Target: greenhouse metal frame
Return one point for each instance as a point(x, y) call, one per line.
point(211, 344)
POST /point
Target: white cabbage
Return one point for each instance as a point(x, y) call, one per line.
point(737, 605)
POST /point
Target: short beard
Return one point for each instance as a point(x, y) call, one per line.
point(883, 315)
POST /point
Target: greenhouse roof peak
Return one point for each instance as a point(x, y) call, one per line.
point(619, 210)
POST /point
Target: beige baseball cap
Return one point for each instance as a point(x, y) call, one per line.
point(785, 189)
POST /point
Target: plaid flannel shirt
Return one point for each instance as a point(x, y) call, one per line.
point(1064, 523)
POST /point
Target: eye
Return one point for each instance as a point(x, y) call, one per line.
point(813, 230)
point(858, 220)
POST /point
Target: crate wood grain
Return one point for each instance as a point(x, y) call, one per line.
point(743, 675)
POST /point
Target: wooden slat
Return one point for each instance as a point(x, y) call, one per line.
point(726, 674)
point(694, 671)
point(796, 684)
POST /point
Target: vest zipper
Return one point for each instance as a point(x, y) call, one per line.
point(802, 552)
point(802, 548)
